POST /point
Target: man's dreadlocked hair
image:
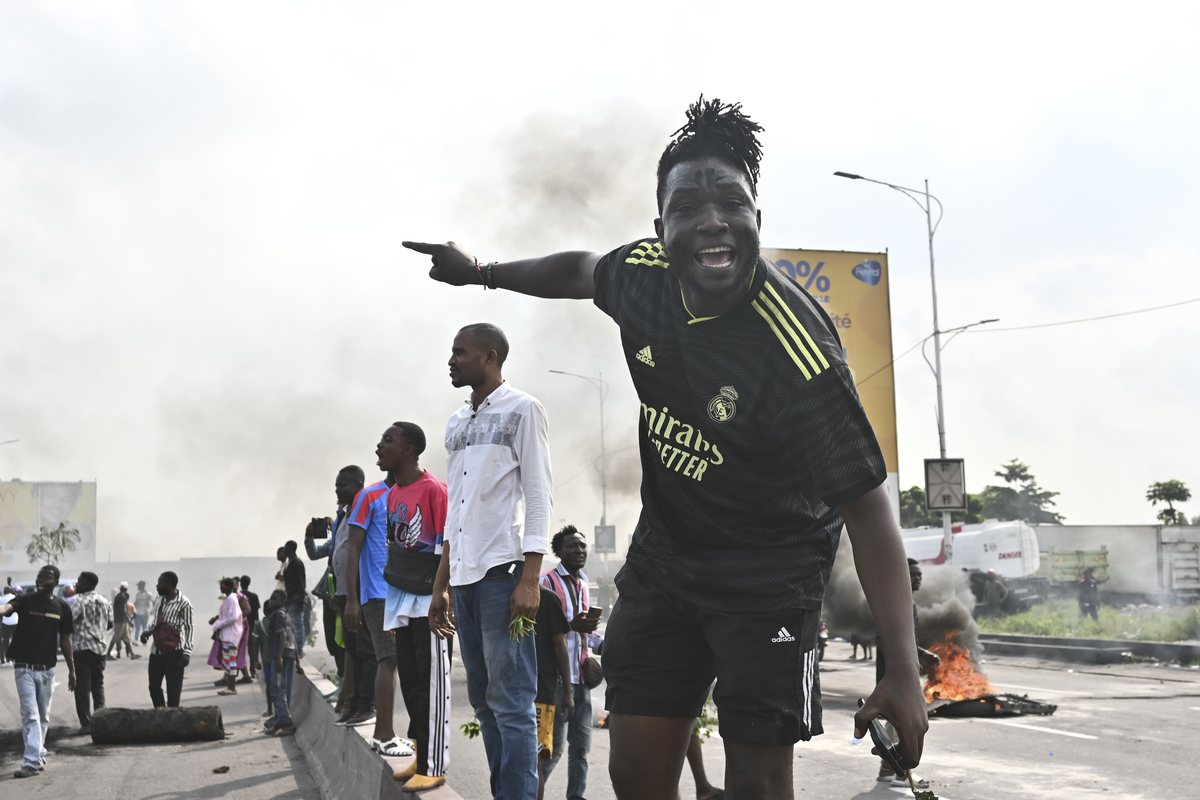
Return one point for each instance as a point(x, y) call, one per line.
point(714, 129)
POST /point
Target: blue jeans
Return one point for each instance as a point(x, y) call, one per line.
point(579, 739)
point(501, 681)
point(296, 611)
point(281, 692)
point(268, 672)
point(33, 690)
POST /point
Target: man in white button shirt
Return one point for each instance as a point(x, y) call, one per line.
point(497, 526)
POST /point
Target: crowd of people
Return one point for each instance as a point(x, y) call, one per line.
point(755, 452)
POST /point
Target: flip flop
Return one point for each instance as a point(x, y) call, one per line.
point(226, 692)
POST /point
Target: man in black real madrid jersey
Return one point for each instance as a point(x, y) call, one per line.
point(755, 449)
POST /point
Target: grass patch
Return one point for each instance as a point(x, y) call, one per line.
point(1061, 618)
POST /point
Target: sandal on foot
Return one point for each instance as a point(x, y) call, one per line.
point(394, 747)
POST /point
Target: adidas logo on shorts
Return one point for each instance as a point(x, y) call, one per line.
point(784, 636)
point(644, 356)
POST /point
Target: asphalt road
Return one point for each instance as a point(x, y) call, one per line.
point(1123, 731)
point(260, 767)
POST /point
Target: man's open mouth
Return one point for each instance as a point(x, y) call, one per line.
point(715, 257)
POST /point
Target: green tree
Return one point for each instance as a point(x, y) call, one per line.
point(914, 515)
point(1020, 498)
point(49, 545)
point(1169, 492)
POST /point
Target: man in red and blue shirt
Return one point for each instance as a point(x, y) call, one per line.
point(416, 525)
point(366, 589)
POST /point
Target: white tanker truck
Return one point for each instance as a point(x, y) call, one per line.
point(1010, 549)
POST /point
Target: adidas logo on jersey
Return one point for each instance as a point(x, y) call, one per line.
point(784, 636)
point(643, 356)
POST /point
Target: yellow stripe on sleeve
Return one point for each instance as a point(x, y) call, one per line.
point(647, 254)
point(782, 338)
point(801, 328)
point(785, 326)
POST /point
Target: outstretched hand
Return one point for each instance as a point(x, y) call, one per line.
point(451, 264)
point(902, 703)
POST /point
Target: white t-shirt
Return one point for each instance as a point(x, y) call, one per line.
point(11, 619)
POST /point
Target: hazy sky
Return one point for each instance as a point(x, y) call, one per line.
point(206, 308)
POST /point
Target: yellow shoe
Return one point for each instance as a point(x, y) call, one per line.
point(406, 773)
point(420, 783)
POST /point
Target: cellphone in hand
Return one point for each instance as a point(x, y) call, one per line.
point(593, 613)
point(320, 527)
point(885, 745)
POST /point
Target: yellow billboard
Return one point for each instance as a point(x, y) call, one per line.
point(853, 290)
point(26, 508)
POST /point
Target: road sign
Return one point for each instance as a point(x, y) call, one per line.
point(945, 485)
point(606, 539)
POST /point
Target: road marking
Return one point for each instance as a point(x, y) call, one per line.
point(826, 693)
point(1072, 734)
point(1034, 688)
point(1193, 708)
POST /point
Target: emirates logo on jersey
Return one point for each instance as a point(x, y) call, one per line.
point(722, 408)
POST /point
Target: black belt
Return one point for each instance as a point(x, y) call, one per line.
point(34, 667)
point(506, 568)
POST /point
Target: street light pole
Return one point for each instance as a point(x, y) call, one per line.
point(931, 227)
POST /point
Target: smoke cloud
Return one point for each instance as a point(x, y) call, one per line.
point(944, 604)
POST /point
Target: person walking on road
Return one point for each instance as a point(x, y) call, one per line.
point(498, 459)
point(44, 625)
point(141, 610)
point(228, 626)
point(92, 617)
point(121, 623)
point(171, 630)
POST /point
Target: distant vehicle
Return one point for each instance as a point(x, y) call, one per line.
point(1010, 549)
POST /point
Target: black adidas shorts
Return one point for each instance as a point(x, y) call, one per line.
point(661, 655)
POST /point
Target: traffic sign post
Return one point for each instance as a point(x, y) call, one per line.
point(945, 491)
point(605, 539)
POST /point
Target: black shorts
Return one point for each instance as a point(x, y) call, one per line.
point(661, 656)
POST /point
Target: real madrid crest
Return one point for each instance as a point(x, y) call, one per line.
point(722, 407)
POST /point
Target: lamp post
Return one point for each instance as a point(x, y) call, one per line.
point(931, 228)
point(600, 385)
